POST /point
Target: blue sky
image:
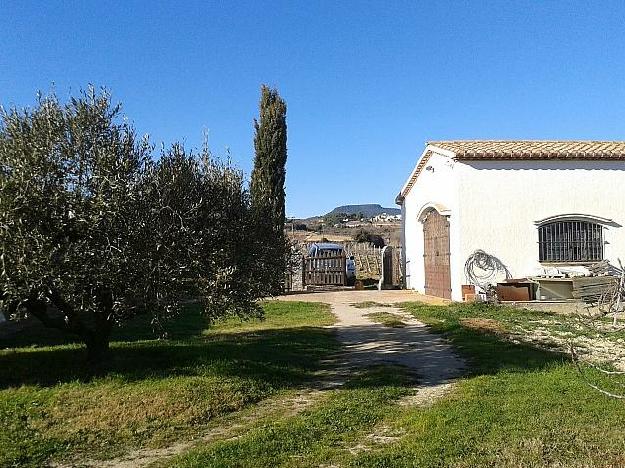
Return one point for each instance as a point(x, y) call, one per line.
point(366, 83)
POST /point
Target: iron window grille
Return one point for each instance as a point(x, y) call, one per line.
point(570, 241)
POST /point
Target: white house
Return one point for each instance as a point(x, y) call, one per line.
point(531, 204)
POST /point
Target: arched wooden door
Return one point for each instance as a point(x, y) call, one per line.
point(436, 255)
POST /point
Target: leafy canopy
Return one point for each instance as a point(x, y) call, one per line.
point(94, 229)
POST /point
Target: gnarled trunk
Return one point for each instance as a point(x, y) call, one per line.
point(95, 337)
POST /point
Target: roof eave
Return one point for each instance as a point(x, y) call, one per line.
point(425, 155)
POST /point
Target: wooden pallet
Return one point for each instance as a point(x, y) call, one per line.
point(590, 288)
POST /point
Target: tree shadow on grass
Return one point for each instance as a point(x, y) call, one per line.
point(32, 333)
point(281, 358)
point(488, 351)
point(491, 354)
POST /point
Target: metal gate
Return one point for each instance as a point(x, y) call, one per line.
point(436, 255)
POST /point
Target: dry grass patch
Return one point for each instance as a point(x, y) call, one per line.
point(386, 319)
point(150, 413)
point(369, 305)
point(485, 325)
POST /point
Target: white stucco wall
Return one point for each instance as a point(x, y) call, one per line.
point(501, 202)
point(436, 187)
point(494, 206)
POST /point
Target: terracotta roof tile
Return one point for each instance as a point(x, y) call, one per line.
point(533, 149)
point(520, 150)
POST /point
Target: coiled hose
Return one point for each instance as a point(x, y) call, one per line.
point(482, 269)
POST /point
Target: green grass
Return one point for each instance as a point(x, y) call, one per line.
point(325, 432)
point(386, 319)
point(517, 320)
point(281, 315)
point(156, 391)
point(480, 341)
point(517, 406)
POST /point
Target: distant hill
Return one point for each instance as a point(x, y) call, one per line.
point(367, 210)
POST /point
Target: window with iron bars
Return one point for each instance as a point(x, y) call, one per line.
point(570, 241)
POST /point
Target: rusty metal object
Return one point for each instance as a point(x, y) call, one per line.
point(515, 291)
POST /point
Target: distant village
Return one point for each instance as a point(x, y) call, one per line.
point(381, 219)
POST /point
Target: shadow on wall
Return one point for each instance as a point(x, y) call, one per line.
point(568, 165)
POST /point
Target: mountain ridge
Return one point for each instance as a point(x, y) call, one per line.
point(368, 210)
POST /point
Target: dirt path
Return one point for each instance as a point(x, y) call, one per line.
point(365, 343)
point(368, 343)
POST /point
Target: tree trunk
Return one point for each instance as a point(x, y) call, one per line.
point(98, 350)
point(97, 342)
point(96, 338)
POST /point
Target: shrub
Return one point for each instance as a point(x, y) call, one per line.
point(365, 236)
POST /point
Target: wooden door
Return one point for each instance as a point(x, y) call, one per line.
point(436, 255)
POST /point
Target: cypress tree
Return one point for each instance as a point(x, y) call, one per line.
point(267, 187)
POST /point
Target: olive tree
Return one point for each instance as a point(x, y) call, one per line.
point(94, 230)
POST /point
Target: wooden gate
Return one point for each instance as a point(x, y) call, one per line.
point(325, 268)
point(391, 272)
point(436, 255)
